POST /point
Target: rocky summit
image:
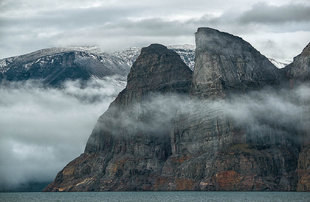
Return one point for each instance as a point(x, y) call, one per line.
point(226, 63)
point(167, 130)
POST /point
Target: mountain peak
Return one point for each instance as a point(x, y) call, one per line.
point(306, 50)
point(225, 62)
point(158, 69)
point(154, 48)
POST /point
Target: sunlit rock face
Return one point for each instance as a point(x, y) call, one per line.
point(144, 143)
point(225, 63)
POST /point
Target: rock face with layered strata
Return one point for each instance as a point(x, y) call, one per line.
point(199, 149)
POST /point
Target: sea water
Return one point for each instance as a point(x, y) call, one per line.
point(156, 196)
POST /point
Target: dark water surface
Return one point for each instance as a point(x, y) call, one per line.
point(156, 196)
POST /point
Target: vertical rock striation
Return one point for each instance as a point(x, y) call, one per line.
point(208, 148)
point(225, 63)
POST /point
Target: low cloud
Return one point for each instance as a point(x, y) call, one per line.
point(41, 130)
point(268, 113)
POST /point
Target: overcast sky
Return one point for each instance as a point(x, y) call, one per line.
point(278, 28)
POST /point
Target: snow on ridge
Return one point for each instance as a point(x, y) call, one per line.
point(279, 64)
point(184, 46)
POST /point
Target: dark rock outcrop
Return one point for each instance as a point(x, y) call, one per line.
point(197, 149)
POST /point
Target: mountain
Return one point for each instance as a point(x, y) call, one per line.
point(235, 156)
point(169, 128)
point(226, 63)
point(55, 65)
point(120, 154)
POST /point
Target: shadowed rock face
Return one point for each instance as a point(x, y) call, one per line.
point(131, 149)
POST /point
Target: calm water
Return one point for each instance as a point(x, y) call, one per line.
point(157, 196)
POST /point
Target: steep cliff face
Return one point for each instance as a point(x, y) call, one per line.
point(138, 146)
point(225, 63)
point(128, 148)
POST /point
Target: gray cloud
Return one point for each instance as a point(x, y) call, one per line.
point(264, 13)
point(30, 25)
point(43, 129)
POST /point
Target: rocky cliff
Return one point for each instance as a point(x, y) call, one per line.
point(210, 151)
point(225, 63)
point(147, 141)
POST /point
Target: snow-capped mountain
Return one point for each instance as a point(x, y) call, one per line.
point(128, 55)
point(54, 65)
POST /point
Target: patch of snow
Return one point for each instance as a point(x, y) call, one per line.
point(279, 64)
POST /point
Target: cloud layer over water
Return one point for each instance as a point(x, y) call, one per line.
point(41, 130)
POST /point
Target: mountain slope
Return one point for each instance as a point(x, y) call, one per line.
point(56, 65)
